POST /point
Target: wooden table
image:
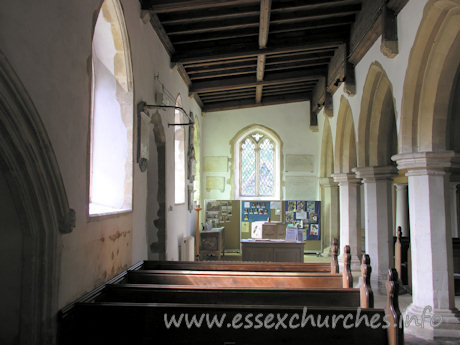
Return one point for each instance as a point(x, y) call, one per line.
point(272, 250)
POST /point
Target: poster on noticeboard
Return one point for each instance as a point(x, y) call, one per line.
point(305, 215)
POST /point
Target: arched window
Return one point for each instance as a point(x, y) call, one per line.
point(179, 155)
point(257, 164)
point(111, 156)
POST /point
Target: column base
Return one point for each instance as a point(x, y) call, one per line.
point(428, 324)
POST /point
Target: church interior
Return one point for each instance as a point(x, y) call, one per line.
point(136, 134)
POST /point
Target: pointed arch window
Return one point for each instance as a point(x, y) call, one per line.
point(257, 162)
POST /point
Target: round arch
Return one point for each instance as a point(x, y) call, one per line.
point(377, 137)
point(345, 142)
point(430, 77)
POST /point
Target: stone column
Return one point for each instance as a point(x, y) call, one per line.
point(402, 209)
point(453, 187)
point(349, 216)
point(329, 209)
point(378, 220)
point(431, 244)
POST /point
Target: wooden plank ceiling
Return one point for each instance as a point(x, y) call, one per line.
point(246, 53)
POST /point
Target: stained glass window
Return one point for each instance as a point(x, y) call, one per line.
point(257, 166)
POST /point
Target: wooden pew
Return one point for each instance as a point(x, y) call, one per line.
point(245, 278)
point(237, 266)
point(316, 267)
point(96, 322)
point(159, 293)
point(231, 279)
point(145, 293)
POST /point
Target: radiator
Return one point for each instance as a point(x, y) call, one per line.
point(188, 249)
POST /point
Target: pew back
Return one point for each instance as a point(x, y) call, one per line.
point(238, 266)
point(237, 279)
point(142, 293)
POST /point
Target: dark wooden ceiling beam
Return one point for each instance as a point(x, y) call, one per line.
point(227, 92)
point(241, 82)
point(286, 91)
point(220, 62)
point(312, 24)
point(294, 5)
point(208, 95)
point(213, 75)
point(221, 25)
point(291, 86)
point(165, 6)
point(224, 67)
point(230, 98)
point(317, 14)
point(214, 36)
point(231, 105)
point(298, 58)
point(207, 57)
point(188, 17)
point(264, 27)
point(316, 52)
point(297, 65)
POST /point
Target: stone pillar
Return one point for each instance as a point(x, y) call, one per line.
point(402, 209)
point(378, 220)
point(453, 187)
point(329, 209)
point(431, 244)
point(349, 216)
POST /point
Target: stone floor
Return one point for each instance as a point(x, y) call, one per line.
point(380, 301)
point(411, 340)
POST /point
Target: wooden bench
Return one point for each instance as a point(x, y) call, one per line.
point(101, 319)
point(313, 267)
point(160, 293)
point(244, 278)
point(144, 293)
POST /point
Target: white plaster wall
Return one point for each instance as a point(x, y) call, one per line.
point(289, 121)
point(49, 46)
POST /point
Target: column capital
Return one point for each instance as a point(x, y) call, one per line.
point(401, 187)
point(427, 163)
point(327, 182)
point(371, 174)
point(345, 178)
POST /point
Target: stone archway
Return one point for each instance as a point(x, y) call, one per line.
point(426, 153)
point(430, 76)
point(377, 142)
point(345, 142)
point(29, 166)
point(329, 190)
point(349, 185)
point(377, 137)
